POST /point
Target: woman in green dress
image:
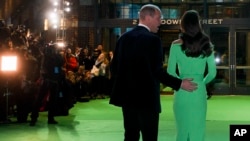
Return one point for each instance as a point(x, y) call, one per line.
point(191, 54)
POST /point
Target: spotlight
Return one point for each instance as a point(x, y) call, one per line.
point(8, 63)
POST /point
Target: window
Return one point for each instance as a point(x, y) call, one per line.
point(170, 12)
point(127, 11)
point(172, 9)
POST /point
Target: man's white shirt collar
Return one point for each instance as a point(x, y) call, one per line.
point(144, 26)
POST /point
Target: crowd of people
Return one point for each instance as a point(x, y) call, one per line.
point(48, 77)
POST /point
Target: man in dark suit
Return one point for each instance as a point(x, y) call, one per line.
point(137, 70)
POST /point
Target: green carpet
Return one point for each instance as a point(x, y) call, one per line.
point(98, 121)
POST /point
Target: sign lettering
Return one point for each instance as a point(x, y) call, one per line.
point(178, 21)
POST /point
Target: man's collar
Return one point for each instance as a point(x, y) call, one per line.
point(144, 26)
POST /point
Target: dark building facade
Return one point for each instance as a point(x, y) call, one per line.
point(94, 22)
point(226, 21)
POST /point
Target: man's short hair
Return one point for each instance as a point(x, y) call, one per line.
point(148, 9)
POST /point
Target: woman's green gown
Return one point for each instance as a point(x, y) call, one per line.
point(190, 107)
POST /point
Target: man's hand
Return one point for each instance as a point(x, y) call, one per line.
point(188, 85)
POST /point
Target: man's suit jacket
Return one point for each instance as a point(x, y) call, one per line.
point(137, 70)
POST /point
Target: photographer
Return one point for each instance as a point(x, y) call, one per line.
point(52, 78)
